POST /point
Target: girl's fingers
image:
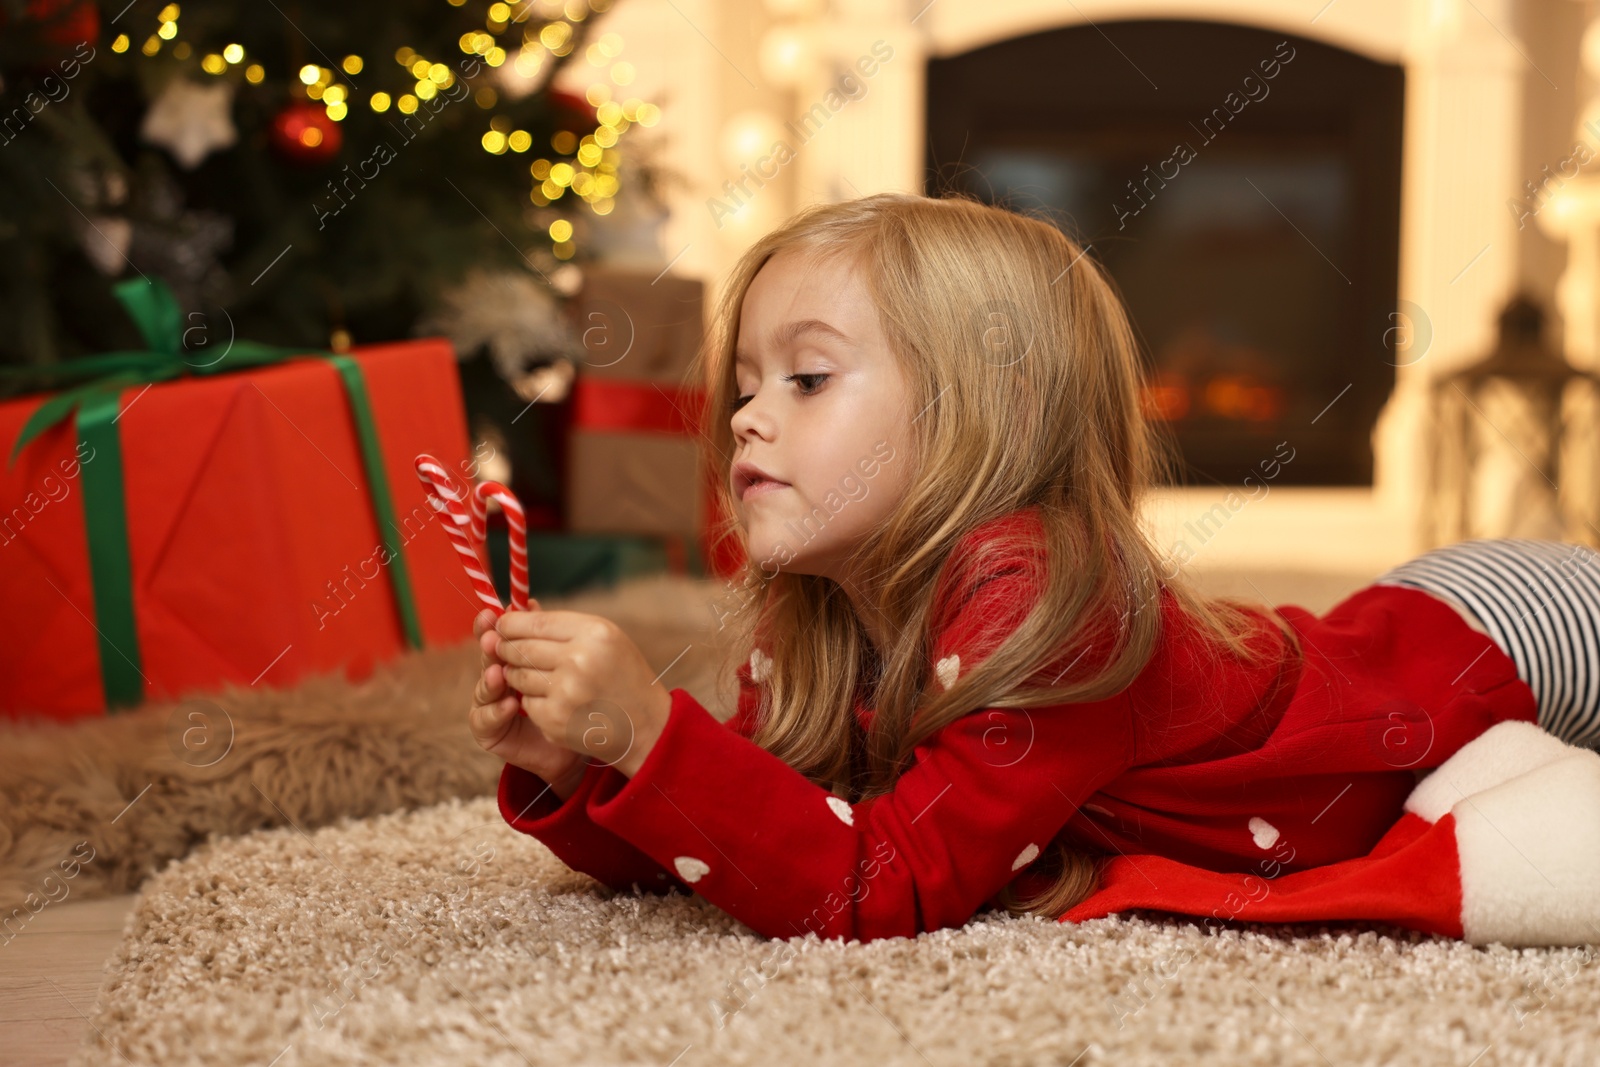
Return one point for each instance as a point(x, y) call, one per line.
point(528, 681)
point(489, 689)
point(501, 729)
point(482, 621)
point(535, 652)
point(551, 625)
point(490, 713)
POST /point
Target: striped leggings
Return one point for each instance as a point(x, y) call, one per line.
point(1540, 602)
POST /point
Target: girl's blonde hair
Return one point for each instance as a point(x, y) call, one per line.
point(1016, 349)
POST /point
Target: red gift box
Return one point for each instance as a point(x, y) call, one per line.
point(252, 537)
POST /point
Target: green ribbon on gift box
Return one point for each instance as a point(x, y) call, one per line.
point(92, 387)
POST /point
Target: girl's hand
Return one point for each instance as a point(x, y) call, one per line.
point(585, 684)
point(499, 726)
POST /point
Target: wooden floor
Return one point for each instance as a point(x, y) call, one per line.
point(49, 976)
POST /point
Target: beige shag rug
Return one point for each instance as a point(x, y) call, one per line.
point(441, 936)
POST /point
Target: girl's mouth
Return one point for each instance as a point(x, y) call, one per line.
point(761, 487)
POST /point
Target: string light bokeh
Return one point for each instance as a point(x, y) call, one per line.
point(516, 42)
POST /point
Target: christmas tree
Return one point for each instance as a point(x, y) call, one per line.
point(297, 173)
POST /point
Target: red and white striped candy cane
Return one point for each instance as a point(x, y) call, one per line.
point(451, 504)
point(478, 512)
point(517, 529)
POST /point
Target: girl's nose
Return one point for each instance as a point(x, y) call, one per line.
point(753, 418)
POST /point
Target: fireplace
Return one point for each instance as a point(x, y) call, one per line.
point(1242, 187)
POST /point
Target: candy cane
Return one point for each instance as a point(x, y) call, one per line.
point(517, 527)
point(451, 504)
point(478, 512)
point(477, 525)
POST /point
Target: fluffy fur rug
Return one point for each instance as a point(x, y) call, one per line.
point(137, 790)
point(145, 787)
point(441, 936)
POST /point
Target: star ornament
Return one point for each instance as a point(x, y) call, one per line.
point(191, 120)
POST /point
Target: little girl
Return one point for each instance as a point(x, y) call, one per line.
point(965, 675)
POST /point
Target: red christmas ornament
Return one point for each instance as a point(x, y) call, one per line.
point(304, 134)
point(571, 112)
point(58, 26)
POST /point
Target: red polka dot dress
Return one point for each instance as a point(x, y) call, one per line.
point(1302, 759)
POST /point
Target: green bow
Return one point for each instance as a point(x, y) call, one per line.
point(92, 387)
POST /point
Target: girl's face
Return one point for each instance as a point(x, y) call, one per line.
point(821, 425)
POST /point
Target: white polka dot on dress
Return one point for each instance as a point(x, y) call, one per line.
point(841, 808)
point(691, 869)
point(948, 670)
point(1263, 832)
point(760, 665)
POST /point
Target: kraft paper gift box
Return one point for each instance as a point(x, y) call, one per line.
point(633, 458)
point(638, 326)
point(245, 513)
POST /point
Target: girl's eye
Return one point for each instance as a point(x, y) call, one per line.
point(809, 383)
